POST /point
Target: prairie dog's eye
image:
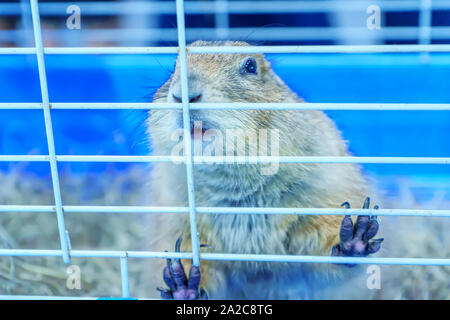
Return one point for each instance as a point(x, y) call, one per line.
point(249, 66)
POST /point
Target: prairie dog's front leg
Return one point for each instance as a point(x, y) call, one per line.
point(180, 286)
point(355, 239)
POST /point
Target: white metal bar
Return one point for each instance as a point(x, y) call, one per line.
point(49, 130)
point(93, 50)
point(187, 131)
point(230, 159)
point(320, 159)
point(237, 106)
point(227, 210)
point(71, 158)
point(230, 257)
point(25, 23)
point(13, 50)
point(323, 106)
point(325, 49)
point(402, 48)
point(120, 105)
point(27, 208)
point(325, 259)
point(24, 158)
point(221, 19)
point(112, 50)
point(6, 105)
point(425, 25)
point(239, 33)
point(124, 276)
point(425, 21)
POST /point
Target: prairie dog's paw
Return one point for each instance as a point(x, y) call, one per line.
point(355, 240)
point(180, 287)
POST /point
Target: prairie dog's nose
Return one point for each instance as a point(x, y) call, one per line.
point(192, 98)
point(195, 89)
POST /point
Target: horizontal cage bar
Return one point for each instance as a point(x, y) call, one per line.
point(229, 159)
point(405, 48)
point(228, 257)
point(225, 210)
point(236, 106)
point(266, 34)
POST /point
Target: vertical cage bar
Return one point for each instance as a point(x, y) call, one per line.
point(187, 132)
point(425, 24)
point(49, 129)
point(124, 276)
point(25, 24)
point(222, 18)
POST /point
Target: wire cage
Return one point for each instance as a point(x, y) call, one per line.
point(59, 209)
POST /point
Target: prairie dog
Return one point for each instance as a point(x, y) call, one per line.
point(250, 78)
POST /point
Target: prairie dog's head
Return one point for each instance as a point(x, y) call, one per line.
point(224, 77)
point(220, 78)
point(234, 78)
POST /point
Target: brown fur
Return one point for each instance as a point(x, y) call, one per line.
point(308, 133)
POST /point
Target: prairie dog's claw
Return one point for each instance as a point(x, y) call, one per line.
point(355, 239)
point(180, 287)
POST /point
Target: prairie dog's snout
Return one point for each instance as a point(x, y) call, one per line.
point(195, 89)
point(225, 78)
point(195, 94)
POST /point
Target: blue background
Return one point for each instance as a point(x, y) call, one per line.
point(387, 78)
